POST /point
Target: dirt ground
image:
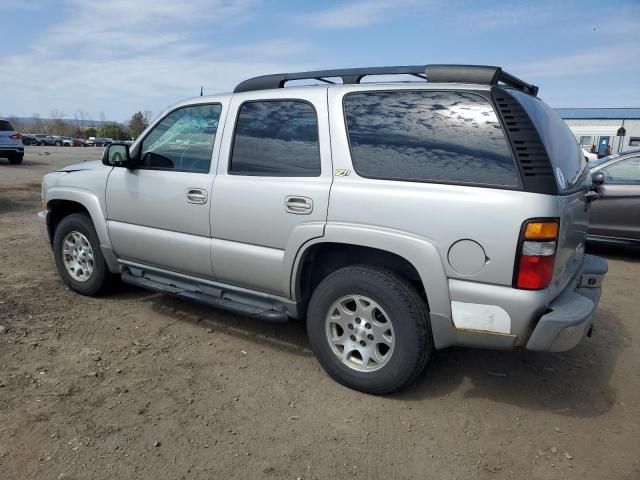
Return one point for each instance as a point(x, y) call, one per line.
point(138, 385)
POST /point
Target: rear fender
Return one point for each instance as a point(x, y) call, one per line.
point(418, 251)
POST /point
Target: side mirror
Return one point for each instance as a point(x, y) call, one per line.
point(597, 178)
point(117, 155)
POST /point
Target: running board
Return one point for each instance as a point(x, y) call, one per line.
point(234, 303)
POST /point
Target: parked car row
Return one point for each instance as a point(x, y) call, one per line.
point(60, 141)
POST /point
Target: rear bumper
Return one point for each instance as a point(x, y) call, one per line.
point(571, 314)
point(5, 150)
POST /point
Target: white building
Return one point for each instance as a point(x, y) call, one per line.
point(601, 127)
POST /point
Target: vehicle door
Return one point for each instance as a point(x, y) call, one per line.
point(617, 212)
point(158, 211)
point(271, 191)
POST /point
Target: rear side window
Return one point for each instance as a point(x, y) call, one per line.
point(428, 136)
point(5, 126)
point(567, 159)
point(276, 139)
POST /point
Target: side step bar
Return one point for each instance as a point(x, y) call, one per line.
point(259, 310)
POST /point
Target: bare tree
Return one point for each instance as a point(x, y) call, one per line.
point(148, 116)
point(17, 124)
point(58, 126)
point(103, 118)
point(83, 115)
point(37, 123)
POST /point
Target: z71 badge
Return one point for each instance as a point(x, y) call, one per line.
point(342, 172)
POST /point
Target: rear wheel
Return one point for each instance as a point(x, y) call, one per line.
point(369, 329)
point(16, 159)
point(78, 257)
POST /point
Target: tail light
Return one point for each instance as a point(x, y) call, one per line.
point(536, 254)
point(16, 136)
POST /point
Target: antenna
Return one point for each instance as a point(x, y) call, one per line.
point(201, 90)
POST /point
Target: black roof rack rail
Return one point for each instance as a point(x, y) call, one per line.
point(481, 74)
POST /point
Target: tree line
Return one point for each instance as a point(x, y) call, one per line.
point(81, 126)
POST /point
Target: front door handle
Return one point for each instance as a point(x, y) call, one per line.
point(298, 205)
point(196, 195)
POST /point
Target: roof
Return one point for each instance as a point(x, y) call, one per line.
point(599, 113)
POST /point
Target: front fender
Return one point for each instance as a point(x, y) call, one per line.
point(89, 201)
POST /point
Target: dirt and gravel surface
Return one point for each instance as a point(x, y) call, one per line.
point(141, 385)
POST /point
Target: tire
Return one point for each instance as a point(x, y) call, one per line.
point(58, 144)
point(100, 278)
point(390, 298)
point(16, 159)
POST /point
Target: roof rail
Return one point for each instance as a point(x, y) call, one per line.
point(481, 74)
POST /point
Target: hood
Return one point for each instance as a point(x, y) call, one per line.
point(86, 165)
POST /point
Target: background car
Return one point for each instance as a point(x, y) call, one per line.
point(11, 146)
point(615, 216)
point(98, 142)
point(29, 139)
point(43, 139)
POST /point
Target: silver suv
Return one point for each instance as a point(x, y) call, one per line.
point(11, 145)
point(394, 217)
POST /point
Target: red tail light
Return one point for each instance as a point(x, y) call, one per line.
point(536, 254)
point(16, 136)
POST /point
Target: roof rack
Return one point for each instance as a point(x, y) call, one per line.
point(481, 74)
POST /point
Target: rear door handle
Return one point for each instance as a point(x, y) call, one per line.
point(298, 205)
point(196, 195)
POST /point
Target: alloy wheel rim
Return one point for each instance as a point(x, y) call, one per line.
point(77, 256)
point(360, 333)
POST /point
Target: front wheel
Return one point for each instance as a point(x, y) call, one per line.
point(78, 256)
point(369, 329)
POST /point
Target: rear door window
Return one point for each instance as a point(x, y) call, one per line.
point(569, 164)
point(428, 136)
point(5, 126)
point(276, 139)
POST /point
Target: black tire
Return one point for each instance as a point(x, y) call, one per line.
point(16, 159)
point(101, 278)
point(58, 144)
point(408, 314)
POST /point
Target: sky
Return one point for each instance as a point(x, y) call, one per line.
point(116, 57)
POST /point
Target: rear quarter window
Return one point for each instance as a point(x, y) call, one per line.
point(5, 126)
point(428, 136)
point(567, 159)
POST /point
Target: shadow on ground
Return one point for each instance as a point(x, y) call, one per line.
point(615, 252)
point(574, 383)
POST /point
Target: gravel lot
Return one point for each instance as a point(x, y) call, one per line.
point(140, 385)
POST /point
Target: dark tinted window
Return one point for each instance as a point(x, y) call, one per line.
point(183, 140)
point(276, 139)
point(5, 126)
point(428, 136)
point(569, 164)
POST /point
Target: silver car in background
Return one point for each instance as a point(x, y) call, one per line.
point(394, 218)
point(11, 146)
